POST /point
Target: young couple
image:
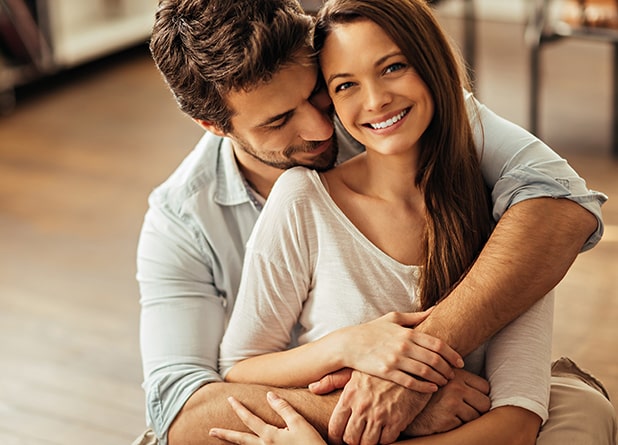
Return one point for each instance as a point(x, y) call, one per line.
point(401, 227)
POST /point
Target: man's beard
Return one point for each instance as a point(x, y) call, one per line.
point(323, 162)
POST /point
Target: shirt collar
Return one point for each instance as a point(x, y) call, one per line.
point(232, 188)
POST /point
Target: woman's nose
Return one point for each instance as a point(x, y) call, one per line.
point(376, 97)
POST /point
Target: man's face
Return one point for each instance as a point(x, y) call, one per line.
point(285, 122)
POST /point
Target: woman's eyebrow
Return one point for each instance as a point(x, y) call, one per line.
point(378, 62)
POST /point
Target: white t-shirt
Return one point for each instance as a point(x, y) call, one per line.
point(307, 266)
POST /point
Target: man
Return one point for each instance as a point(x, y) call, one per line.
point(236, 69)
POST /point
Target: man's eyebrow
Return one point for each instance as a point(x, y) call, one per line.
point(379, 62)
point(272, 119)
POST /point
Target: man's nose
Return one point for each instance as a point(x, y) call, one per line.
point(317, 124)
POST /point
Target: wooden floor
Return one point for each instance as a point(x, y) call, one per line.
point(78, 158)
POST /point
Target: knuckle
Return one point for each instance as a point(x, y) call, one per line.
point(408, 382)
point(349, 439)
point(434, 361)
point(450, 405)
point(393, 316)
point(391, 432)
point(364, 405)
point(424, 372)
point(384, 368)
point(486, 405)
point(437, 344)
point(392, 360)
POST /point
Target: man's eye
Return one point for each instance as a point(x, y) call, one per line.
point(343, 86)
point(278, 123)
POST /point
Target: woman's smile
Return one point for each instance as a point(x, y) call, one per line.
point(389, 122)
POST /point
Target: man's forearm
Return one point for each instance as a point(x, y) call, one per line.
point(529, 252)
point(208, 408)
point(506, 425)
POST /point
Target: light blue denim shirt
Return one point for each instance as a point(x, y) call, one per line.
point(192, 242)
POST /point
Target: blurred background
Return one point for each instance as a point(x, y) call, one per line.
point(88, 128)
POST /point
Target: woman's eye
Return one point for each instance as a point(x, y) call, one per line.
point(394, 67)
point(343, 86)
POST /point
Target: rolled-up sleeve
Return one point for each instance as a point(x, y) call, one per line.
point(518, 166)
point(182, 314)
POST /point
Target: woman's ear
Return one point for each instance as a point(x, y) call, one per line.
point(209, 126)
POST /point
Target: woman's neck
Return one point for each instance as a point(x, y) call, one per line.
point(386, 177)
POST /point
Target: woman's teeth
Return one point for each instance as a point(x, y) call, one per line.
point(389, 122)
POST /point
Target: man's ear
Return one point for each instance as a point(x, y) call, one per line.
point(209, 126)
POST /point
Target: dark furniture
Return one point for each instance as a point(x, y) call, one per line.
point(541, 30)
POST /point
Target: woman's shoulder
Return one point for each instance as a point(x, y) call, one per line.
point(291, 207)
point(295, 183)
point(297, 174)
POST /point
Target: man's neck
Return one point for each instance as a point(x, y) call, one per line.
point(261, 177)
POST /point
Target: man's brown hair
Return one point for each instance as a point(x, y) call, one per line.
point(208, 48)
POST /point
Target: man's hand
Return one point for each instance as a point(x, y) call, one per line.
point(371, 410)
point(463, 399)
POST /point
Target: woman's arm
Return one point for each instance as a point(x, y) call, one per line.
point(277, 279)
point(382, 347)
point(518, 360)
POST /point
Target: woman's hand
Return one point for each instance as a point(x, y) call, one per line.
point(389, 348)
point(298, 430)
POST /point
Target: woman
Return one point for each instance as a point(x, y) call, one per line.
point(392, 229)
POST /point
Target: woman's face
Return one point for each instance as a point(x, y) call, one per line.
point(377, 94)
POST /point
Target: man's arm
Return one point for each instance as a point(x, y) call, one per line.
point(529, 252)
point(527, 255)
point(208, 408)
point(546, 217)
point(181, 320)
point(205, 410)
point(507, 425)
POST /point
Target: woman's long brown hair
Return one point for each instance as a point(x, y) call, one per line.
point(458, 219)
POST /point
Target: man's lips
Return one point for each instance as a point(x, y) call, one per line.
point(320, 147)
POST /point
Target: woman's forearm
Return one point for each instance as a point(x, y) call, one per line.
point(386, 348)
point(296, 367)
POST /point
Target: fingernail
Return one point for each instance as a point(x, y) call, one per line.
point(460, 363)
point(214, 432)
point(271, 396)
point(312, 386)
